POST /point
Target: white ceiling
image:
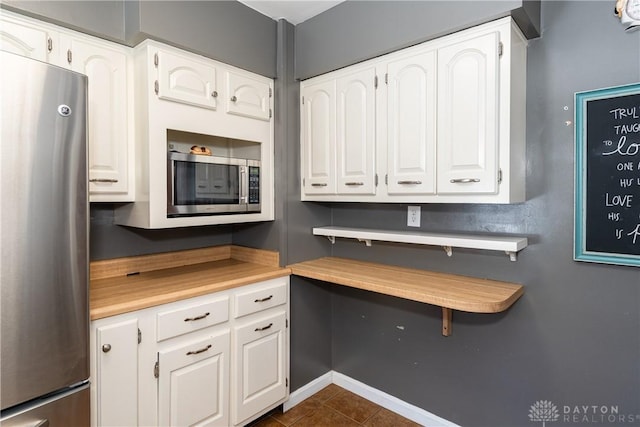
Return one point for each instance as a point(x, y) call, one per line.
point(294, 11)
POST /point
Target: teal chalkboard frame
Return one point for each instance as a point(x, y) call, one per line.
point(580, 252)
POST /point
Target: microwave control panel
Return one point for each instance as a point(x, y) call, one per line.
point(254, 185)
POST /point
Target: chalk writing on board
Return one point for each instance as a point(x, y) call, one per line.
point(613, 175)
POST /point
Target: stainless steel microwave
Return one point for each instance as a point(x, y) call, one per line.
point(210, 185)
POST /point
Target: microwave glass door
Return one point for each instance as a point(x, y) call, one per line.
point(206, 184)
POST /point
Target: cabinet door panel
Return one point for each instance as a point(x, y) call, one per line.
point(116, 379)
point(25, 40)
point(181, 79)
point(193, 382)
point(260, 365)
point(411, 118)
point(107, 114)
point(468, 116)
point(318, 138)
point(247, 97)
point(355, 141)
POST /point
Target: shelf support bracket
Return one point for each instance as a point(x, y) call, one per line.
point(513, 256)
point(332, 239)
point(366, 241)
point(448, 250)
point(446, 321)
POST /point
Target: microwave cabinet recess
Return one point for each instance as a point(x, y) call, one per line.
point(110, 96)
point(439, 122)
point(180, 93)
point(151, 369)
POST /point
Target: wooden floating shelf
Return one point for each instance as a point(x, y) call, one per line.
point(449, 291)
point(510, 245)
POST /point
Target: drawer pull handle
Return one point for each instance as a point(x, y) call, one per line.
point(409, 182)
point(354, 183)
point(318, 184)
point(192, 319)
point(106, 180)
point(464, 180)
point(202, 350)
point(264, 299)
point(264, 328)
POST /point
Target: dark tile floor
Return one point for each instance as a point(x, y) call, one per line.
point(334, 406)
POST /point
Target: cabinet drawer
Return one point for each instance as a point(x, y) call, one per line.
point(178, 321)
point(274, 293)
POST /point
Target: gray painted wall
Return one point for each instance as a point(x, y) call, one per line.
point(99, 18)
point(225, 30)
point(573, 338)
point(355, 31)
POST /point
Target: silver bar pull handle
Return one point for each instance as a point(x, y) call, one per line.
point(49, 48)
point(464, 180)
point(319, 184)
point(103, 180)
point(409, 182)
point(202, 350)
point(193, 319)
point(43, 423)
point(264, 328)
point(69, 56)
point(354, 183)
point(264, 299)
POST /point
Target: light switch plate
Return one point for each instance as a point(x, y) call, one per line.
point(413, 216)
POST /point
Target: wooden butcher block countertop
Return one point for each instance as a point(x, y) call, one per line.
point(446, 290)
point(127, 284)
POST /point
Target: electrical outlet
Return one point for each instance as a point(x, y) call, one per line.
point(413, 216)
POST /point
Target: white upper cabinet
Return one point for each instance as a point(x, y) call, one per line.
point(448, 119)
point(109, 111)
point(26, 39)
point(248, 97)
point(338, 134)
point(109, 129)
point(318, 149)
point(183, 99)
point(411, 127)
point(184, 79)
point(468, 81)
point(355, 137)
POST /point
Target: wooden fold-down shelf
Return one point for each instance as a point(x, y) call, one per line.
point(449, 291)
point(510, 245)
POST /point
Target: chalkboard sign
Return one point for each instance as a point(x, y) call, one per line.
point(607, 176)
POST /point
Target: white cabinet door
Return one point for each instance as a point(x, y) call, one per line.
point(468, 76)
point(411, 124)
point(260, 365)
point(248, 97)
point(193, 382)
point(116, 374)
point(25, 39)
point(355, 136)
point(186, 80)
point(108, 127)
point(319, 138)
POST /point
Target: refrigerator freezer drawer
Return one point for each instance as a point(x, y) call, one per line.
point(70, 408)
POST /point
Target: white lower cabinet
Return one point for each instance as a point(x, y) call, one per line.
point(115, 373)
point(216, 360)
point(193, 380)
point(260, 364)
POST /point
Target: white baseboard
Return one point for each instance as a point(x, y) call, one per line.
point(308, 390)
point(378, 397)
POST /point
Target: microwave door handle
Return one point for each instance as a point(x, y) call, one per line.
point(244, 185)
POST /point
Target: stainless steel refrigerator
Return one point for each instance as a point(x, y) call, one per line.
point(44, 275)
